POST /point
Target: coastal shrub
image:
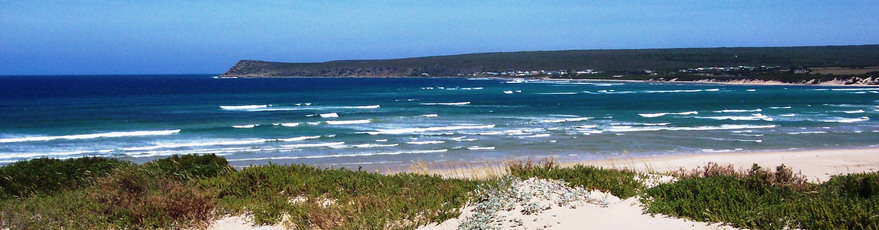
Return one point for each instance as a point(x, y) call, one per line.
point(310, 197)
point(135, 197)
point(621, 183)
point(764, 199)
point(62, 210)
point(191, 166)
point(859, 185)
point(44, 176)
point(721, 198)
point(782, 176)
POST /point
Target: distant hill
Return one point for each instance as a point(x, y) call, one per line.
point(610, 61)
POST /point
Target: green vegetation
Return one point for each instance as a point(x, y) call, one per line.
point(337, 198)
point(618, 182)
point(48, 176)
point(781, 77)
point(105, 193)
point(190, 191)
point(611, 61)
point(763, 199)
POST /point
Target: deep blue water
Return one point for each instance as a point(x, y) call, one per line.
point(394, 121)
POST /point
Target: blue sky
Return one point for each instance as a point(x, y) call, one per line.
point(148, 37)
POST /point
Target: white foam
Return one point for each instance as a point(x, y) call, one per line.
point(329, 115)
point(313, 123)
point(738, 110)
point(846, 105)
point(536, 135)
point(356, 107)
point(343, 155)
point(425, 142)
point(430, 115)
point(427, 129)
point(654, 91)
point(381, 140)
point(480, 148)
point(750, 90)
point(508, 91)
point(560, 120)
point(652, 114)
point(298, 138)
point(269, 108)
point(194, 144)
point(244, 126)
point(90, 136)
point(806, 132)
point(847, 120)
point(753, 117)
point(853, 111)
point(46, 154)
point(854, 89)
point(373, 145)
point(242, 107)
point(697, 128)
point(290, 124)
point(351, 122)
point(677, 91)
point(313, 145)
point(780, 107)
point(788, 115)
point(448, 103)
point(559, 93)
point(462, 139)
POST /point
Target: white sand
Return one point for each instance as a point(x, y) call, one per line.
point(619, 214)
point(818, 165)
point(596, 210)
point(240, 223)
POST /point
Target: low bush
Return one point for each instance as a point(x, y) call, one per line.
point(135, 197)
point(620, 183)
point(187, 167)
point(310, 197)
point(44, 176)
point(765, 199)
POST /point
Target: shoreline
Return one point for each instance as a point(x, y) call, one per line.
point(818, 165)
point(706, 82)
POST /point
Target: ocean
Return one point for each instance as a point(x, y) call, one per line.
point(392, 122)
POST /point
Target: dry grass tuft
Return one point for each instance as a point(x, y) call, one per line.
point(142, 199)
point(781, 176)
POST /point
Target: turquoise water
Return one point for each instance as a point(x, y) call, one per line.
point(382, 122)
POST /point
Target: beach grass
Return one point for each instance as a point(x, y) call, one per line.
point(761, 198)
point(191, 191)
point(48, 176)
point(309, 197)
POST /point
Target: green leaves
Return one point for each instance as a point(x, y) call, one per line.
point(768, 201)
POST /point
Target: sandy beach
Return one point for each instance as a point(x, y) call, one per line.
point(817, 165)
